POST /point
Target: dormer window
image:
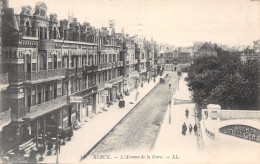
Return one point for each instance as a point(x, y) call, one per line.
point(27, 29)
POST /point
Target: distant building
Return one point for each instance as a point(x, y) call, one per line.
point(170, 61)
point(249, 54)
point(196, 46)
point(256, 46)
point(205, 50)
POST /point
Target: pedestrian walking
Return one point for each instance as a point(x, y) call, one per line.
point(170, 86)
point(184, 128)
point(195, 129)
point(136, 96)
point(190, 128)
point(187, 113)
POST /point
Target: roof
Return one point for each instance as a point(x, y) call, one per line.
point(204, 45)
point(41, 5)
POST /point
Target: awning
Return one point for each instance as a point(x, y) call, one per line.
point(43, 80)
point(38, 113)
point(86, 92)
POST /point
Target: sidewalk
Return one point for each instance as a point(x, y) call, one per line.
point(91, 132)
point(170, 141)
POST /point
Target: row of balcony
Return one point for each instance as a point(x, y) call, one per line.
point(51, 73)
point(104, 66)
point(48, 105)
point(44, 74)
point(51, 105)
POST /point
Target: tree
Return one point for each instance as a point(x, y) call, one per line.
point(226, 81)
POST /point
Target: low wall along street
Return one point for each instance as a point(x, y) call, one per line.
point(241, 125)
point(242, 131)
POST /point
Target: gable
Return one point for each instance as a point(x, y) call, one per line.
point(207, 49)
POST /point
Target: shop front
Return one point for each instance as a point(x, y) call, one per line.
point(84, 104)
point(36, 128)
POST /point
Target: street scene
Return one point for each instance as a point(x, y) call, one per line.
point(140, 81)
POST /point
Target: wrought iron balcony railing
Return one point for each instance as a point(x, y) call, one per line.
point(44, 74)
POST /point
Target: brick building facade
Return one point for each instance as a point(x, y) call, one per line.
point(62, 72)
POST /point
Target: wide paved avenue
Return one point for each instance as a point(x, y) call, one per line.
point(139, 130)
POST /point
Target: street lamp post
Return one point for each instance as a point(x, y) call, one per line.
point(57, 143)
point(169, 105)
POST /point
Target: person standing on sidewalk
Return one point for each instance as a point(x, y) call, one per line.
point(184, 128)
point(195, 129)
point(170, 86)
point(187, 113)
point(190, 128)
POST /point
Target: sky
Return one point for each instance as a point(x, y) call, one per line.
point(176, 22)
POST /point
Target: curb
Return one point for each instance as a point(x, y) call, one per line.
point(160, 126)
point(120, 121)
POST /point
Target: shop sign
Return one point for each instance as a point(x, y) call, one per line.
point(74, 99)
point(242, 131)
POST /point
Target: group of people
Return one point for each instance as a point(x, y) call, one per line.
point(184, 128)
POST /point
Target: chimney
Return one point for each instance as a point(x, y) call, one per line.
point(5, 4)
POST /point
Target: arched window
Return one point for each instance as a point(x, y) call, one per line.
point(27, 29)
point(42, 62)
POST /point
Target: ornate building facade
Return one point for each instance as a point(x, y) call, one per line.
point(62, 72)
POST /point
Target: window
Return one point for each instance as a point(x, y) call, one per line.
point(40, 32)
point(45, 32)
point(55, 61)
point(54, 33)
point(39, 94)
point(27, 29)
point(28, 61)
point(28, 93)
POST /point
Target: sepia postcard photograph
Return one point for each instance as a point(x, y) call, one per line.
point(130, 81)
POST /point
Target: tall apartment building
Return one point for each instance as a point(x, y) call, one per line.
point(60, 72)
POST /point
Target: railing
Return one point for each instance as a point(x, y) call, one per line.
point(46, 44)
point(71, 71)
point(43, 74)
point(120, 63)
point(116, 80)
point(49, 104)
point(91, 68)
point(108, 65)
point(79, 70)
point(114, 64)
point(103, 66)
